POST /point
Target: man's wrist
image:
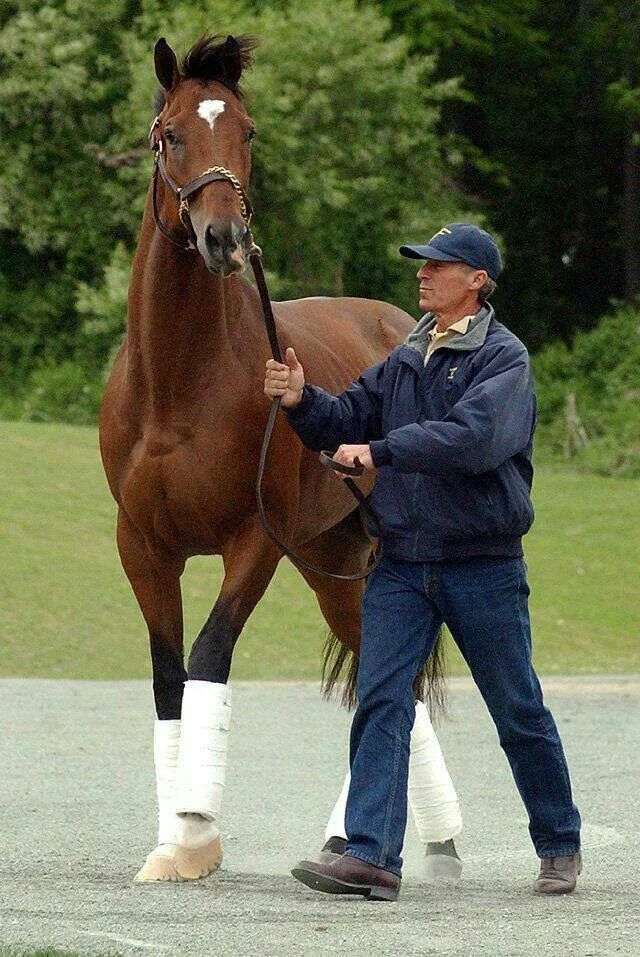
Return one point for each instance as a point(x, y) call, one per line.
point(293, 405)
point(380, 454)
point(296, 406)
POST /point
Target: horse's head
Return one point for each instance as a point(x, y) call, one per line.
point(203, 124)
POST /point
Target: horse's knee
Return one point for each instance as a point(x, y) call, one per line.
point(212, 651)
point(168, 678)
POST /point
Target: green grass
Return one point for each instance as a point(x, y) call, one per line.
point(68, 610)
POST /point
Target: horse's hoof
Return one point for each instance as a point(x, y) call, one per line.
point(192, 863)
point(439, 868)
point(160, 865)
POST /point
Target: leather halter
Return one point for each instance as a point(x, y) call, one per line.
point(183, 193)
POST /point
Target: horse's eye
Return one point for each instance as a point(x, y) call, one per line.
point(250, 134)
point(170, 137)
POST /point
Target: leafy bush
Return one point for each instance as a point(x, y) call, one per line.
point(601, 369)
point(56, 393)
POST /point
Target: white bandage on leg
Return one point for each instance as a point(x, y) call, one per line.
point(166, 742)
point(202, 760)
point(335, 824)
point(432, 797)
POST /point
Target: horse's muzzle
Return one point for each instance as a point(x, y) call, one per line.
point(225, 246)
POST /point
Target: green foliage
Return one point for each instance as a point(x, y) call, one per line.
point(348, 161)
point(104, 308)
point(62, 75)
point(56, 392)
point(601, 369)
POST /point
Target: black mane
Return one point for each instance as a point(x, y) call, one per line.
point(205, 62)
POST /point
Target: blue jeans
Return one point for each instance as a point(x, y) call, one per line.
point(483, 601)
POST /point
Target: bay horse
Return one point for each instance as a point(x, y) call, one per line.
point(180, 432)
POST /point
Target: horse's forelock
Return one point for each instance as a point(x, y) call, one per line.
point(204, 62)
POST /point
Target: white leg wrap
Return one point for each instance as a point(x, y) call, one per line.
point(335, 824)
point(432, 797)
point(166, 741)
point(202, 760)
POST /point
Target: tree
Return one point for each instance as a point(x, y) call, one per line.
point(543, 145)
point(61, 76)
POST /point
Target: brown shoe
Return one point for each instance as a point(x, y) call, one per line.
point(349, 875)
point(558, 875)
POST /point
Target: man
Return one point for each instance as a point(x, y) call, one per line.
point(448, 421)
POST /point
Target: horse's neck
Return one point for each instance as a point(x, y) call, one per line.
point(186, 326)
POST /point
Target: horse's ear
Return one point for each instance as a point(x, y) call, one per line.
point(231, 59)
point(166, 65)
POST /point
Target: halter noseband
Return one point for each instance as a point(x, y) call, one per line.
point(183, 193)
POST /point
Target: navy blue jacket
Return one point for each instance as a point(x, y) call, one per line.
point(451, 440)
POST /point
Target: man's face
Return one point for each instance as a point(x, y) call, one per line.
point(443, 286)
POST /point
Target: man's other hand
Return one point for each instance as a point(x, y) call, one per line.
point(347, 455)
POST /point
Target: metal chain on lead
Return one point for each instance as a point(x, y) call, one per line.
point(235, 182)
point(183, 209)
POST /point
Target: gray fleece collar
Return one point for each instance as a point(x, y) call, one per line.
point(472, 338)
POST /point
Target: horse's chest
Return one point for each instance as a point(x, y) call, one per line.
point(182, 493)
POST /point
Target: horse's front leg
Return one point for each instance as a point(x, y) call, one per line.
point(250, 560)
point(155, 580)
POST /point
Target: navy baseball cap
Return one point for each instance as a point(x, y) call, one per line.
point(460, 243)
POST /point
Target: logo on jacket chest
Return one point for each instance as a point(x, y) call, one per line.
point(452, 371)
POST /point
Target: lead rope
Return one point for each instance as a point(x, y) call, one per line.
point(255, 256)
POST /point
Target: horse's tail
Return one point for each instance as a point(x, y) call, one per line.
point(340, 663)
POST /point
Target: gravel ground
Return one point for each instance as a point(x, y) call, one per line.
point(77, 815)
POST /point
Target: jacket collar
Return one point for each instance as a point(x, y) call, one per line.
point(472, 339)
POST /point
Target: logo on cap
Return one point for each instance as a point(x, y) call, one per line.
point(441, 232)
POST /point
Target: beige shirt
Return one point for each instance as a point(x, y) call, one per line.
point(437, 339)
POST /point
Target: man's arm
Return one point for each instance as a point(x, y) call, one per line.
point(325, 421)
point(490, 423)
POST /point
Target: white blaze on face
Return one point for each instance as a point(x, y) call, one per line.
point(209, 110)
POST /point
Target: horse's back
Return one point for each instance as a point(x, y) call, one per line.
point(339, 337)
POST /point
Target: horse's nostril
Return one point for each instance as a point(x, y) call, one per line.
point(212, 240)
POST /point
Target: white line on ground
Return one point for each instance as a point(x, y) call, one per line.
point(117, 938)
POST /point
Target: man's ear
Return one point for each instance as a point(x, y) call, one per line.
point(166, 65)
point(480, 278)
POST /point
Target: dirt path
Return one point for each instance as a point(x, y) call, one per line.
point(76, 809)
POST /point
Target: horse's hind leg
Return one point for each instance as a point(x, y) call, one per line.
point(432, 797)
point(156, 584)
